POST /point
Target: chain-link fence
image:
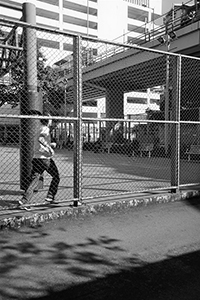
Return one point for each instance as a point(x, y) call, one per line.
point(125, 119)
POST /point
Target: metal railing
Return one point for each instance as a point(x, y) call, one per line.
point(182, 17)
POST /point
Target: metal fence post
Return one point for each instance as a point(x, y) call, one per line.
point(78, 158)
point(167, 97)
point(29, 98)
point(175, 132)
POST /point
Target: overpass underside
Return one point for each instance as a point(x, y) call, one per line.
point(139, 68)
point(140, 76)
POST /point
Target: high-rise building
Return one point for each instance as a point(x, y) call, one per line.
point(124, 18)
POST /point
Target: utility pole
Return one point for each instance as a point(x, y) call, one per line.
point(30, 101)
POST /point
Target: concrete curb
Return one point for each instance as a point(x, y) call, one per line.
point(35, 219)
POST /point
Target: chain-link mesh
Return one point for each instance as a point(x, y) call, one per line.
point(33, 82)
point(190, 125)
point(127, 150)
point(124, 118)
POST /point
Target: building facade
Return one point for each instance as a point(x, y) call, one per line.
point(90, 17)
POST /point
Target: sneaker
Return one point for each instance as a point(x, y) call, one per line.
point(78, 203)
point(50, 199)
point(23, 205)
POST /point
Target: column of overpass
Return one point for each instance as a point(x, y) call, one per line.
point(114, 106)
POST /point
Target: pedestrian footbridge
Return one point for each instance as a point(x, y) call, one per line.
point(133, 67)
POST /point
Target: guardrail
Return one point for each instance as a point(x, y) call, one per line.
point(182, 20)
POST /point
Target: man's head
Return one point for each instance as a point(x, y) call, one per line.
point(46, 122)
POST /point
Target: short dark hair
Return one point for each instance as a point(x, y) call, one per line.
point(44, 121)
point(36, 113)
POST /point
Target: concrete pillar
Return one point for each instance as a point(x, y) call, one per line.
point(114, 106)
point(114, 102)
point(29, 98)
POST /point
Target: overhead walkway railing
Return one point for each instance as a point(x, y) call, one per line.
point(176, 18)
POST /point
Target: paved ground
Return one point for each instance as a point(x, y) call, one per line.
point(109, 181)
point(103, 174)
point(145, 253)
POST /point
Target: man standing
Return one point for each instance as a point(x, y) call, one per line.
point(42, 161)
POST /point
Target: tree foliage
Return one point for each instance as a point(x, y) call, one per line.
point(53, 95)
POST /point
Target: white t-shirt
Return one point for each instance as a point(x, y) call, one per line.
point(42, 148)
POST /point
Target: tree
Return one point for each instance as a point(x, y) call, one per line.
point(53, 95)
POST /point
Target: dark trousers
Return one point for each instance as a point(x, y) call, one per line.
point(39, 165)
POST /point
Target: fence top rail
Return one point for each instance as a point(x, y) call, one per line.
point(9, 116)
point(129, 120)
point(92, 39)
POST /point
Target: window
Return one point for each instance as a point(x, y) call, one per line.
point(137, 14)
point(133, 40)
point(139, 2)
point(103, 115)
point(155, 101)
point(47, 14)
point(52, 2)
point(89, 115)
point(136, 100)
point(68, 47)
point(136, 28)
point(47, 26)
point(90, 103)
point(8, 2)
point(80, 8)
point(48, 43)
point(78, 32)
point(78, 21)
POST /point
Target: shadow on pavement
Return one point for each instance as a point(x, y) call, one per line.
point(175, 278)
point(194, 202)
point(130, 278)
